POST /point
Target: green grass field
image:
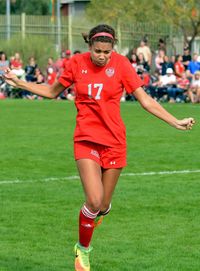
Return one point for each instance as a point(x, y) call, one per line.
point(155, 220)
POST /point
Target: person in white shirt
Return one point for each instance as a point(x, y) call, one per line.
point(194, 90)
point(169, 78)
point(168, 83)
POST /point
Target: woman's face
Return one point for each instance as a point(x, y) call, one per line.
point(50, 61)
point(180, 58)
point(101, 52)
point(3, 57)
point(32, 61)
point(140, 56)
point(166, 58)
point(17, 56)
point(173, 58)
point(184, 75)
point(133, 57)
point(37, 71)
point(161, 53)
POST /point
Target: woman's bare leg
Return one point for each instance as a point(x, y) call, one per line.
point(91, 178)
point(109, 179)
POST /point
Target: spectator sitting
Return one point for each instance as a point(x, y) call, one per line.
point(178, 66)
point(16, 65)
point(194, 90)
point(152, 88)
point(51, 76)
point(29, 77)
point(146, 79)
point(133, 60)
point(177, 88)
point(51, 64)
point(166, 64)
point(168, 85)
point(4, 63)
point(189, 75)
point(183, 84)
point(142, 65)
point(194, 65)
point(173, 60)
point(159, 60)
point(186, 57)
point(39, 77)
point(30, 70)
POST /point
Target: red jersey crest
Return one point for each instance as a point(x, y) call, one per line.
point(110, 72)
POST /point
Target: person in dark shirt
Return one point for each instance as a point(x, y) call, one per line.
point(186, 57)
point(166, 64)
point(30, 70)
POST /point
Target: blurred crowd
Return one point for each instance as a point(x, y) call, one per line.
point(172, 79)
point(31, 72)
point(166, 78)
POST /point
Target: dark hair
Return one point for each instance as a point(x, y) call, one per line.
point(3, 53)
point(76, 52)
point(98, 29)
point(177, 57)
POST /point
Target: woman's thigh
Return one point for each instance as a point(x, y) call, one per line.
point(91, 178)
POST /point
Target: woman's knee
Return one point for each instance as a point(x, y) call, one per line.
point(94, 202)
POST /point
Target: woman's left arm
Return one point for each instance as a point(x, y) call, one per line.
point(157, 110)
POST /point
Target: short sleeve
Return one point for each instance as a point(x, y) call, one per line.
point(67, 77)
point(130, 79)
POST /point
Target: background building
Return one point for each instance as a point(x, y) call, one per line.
point(75, 7)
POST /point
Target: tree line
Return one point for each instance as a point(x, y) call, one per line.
point(181, 14)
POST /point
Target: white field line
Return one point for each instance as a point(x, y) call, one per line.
point(186, 171)
point(74, 177)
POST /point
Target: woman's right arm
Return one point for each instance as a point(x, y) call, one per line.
point(47, 91)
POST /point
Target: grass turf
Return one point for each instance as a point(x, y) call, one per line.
point(154, 223)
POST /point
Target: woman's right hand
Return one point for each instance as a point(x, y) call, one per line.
point(10, 78)
point(184, 124)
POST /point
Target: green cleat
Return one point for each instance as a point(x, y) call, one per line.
point(98, 220)
point(82, 262)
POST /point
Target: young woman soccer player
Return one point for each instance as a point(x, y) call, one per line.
point(100, 77)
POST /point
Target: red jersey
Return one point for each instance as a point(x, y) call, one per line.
point(98, 91)
point(179, 67)
point(146, 79)
point(51, 78)
point(183, 83)
point(16, 64)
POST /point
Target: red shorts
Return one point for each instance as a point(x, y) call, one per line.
point(106, 157)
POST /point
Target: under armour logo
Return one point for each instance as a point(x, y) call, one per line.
point(87, 225)
point(84, 71)
point(113, 163)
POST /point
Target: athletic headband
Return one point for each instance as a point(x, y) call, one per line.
point(103, 34)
